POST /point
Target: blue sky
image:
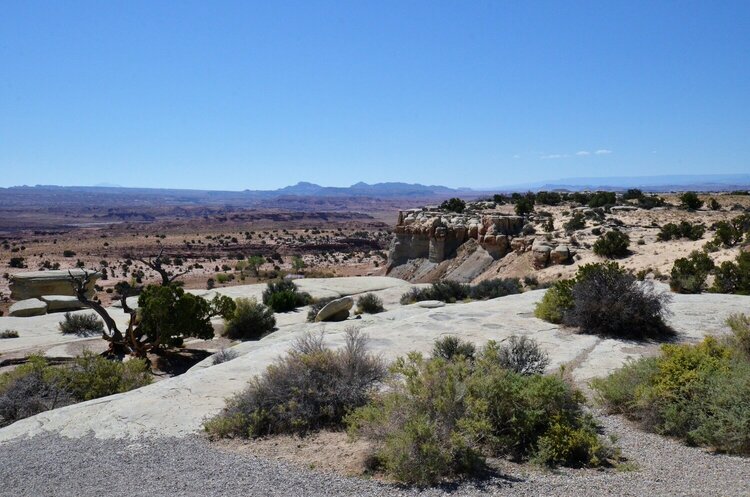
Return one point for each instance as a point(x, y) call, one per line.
point(235, 95)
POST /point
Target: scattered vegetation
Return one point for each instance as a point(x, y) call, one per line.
point(733, 276)
point(689, 273)
point(683, 230)
point(224, 355)
point(613, 244)
point(451, 291)
point(369, 303)
point(699, 393)
point(441, 417)
point(522, 355)
point(249, 321)
point(575, 223)
point(81, 324)
point(37, 386)
point(450, 347)
point(283, 296)
point(453, 205)
point(690, 201)
point(310, 388)
point(606, 300)
point(731, 233)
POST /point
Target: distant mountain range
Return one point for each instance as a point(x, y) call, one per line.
point(394, 190)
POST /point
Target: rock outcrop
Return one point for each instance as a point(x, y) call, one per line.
point(435, 235)
point(28, 307)
point(475, 239)
point(36, 284)
point(335, 310)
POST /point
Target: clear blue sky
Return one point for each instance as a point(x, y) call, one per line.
point(235, 95)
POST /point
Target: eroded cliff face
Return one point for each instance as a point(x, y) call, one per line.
point(431, 244)
point(435, 235)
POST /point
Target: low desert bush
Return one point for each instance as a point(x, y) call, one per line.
point(440, 418)
point(612, 244)
point(733, 276)
point(451, 291)
point(283, 296)
point(369, 303)
point(9, 334)
point(611, 302)
point(575, 223)
point(453, 205)
point(557, 300)
point(690, 201)
point(700, 393)
point(604, 299)
point(672, 231)
point(494, 288)
point(689, 273)
point(451, 347)
point(522, 355)
point(310, 388)
point(37, 386)
point(730, 233)
point(224, 355)
point(81, 324)
point(249, 321)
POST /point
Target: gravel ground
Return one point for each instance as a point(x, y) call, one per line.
point(53, 466)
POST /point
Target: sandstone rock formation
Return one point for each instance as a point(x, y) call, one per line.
point(335, 310)
point(36, 284)
point(435, 235)
point(28, 307)
point(473, 239)
point(62, 303)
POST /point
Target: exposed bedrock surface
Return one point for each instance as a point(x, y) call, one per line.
point(178, 406)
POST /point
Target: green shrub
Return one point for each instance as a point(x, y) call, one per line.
point(451, 291)
point(730, 233)
point(632, 194)
point(612, 244)
point(440, 418)
point(92, 376)
point(81, 324)
point(689, 274)
point(713, 204)
point(168, 315)
point(690, 201)
point(494, 288)
point(17, 262)
point(602, 199)
point(312, 387)
point(740, 339)
point(700, 393)
point(524, 205)
point(283, 296)
point(249, 321)
point(557, 300)
point(683, 230)
point(575, 223)
point(224, 355)
point(604, 299)
point(36, 386)
point(611, 302)
point(451, 347)
point(733, 277)
point(522, 355)
point(369, 304)
point(651, 201)
point(453, 205)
